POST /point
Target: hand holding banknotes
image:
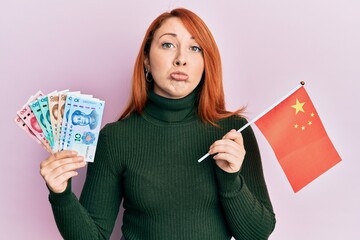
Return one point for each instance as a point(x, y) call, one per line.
point(67, 125)
point(59, 167)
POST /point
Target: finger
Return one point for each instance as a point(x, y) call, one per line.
point(58, 155)
point(59, 184)
point(235, 136)
point(68, 167)
point(51, 176)
point(228, 134)
point(227, 157)
point(52, 166)
point(61, 179)
point(228, 167)
point(239, 139)
point(225, 145)
point(230, 156)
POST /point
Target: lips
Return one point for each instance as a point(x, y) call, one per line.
point(179, 76)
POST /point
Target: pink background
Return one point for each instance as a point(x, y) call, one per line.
point(267, 48)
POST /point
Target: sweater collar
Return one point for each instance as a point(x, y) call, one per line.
point(171, 110)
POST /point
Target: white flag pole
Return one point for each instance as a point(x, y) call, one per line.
point(302, 83)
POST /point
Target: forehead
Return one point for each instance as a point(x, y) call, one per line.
point(172, 25)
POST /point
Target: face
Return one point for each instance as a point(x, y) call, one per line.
point(79, 118)
point(175, 60)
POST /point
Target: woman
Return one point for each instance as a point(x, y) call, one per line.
point(149, 157)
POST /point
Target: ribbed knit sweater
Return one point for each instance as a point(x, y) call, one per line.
point(149, 161)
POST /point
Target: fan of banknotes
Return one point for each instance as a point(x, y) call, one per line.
point(63, 120)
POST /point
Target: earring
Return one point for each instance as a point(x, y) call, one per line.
point(147, 77)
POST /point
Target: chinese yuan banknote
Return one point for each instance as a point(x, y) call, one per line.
point(23, 126)
point(63, 120)
point(84, 121)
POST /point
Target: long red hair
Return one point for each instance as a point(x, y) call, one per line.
point(211, 102)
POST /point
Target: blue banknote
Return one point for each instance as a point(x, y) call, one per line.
point(84, 122)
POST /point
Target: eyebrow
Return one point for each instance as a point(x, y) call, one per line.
point(173, 35)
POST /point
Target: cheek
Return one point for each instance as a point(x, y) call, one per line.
point(158, 61)
point(157, 73)
point(160, 69)
point(200, 68)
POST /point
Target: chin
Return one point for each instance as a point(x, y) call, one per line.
point(173, 92)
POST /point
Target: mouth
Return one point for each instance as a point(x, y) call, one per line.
point(179, 76)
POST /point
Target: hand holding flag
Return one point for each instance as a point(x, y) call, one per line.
point(295, 132)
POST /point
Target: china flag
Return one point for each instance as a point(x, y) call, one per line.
point(295, 132)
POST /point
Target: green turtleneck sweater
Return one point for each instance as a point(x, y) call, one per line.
point(150, 162)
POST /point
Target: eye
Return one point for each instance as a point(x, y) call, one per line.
point(167, 45)
point(196, 49)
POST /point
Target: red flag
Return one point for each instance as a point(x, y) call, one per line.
point(295, 132)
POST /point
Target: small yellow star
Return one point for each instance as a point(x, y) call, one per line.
point(296, 126)
point(303, 128)
point(312, 115)
point(310, 122)
point(298, 106)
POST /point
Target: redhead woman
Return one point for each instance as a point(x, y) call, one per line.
point(148, 159)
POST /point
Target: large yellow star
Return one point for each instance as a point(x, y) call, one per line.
point(298, 106)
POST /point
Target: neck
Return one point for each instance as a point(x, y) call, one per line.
point(171, 110)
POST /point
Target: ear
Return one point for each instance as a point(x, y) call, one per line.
point(147, 64)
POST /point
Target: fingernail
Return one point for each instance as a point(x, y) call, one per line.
point(74, 152)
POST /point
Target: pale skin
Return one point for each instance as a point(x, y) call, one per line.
point(58, 168)
point(176, 64)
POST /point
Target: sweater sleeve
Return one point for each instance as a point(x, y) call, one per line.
point(244, 196)
point(94, 215)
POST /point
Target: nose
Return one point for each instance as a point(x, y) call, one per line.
point(180, 59)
